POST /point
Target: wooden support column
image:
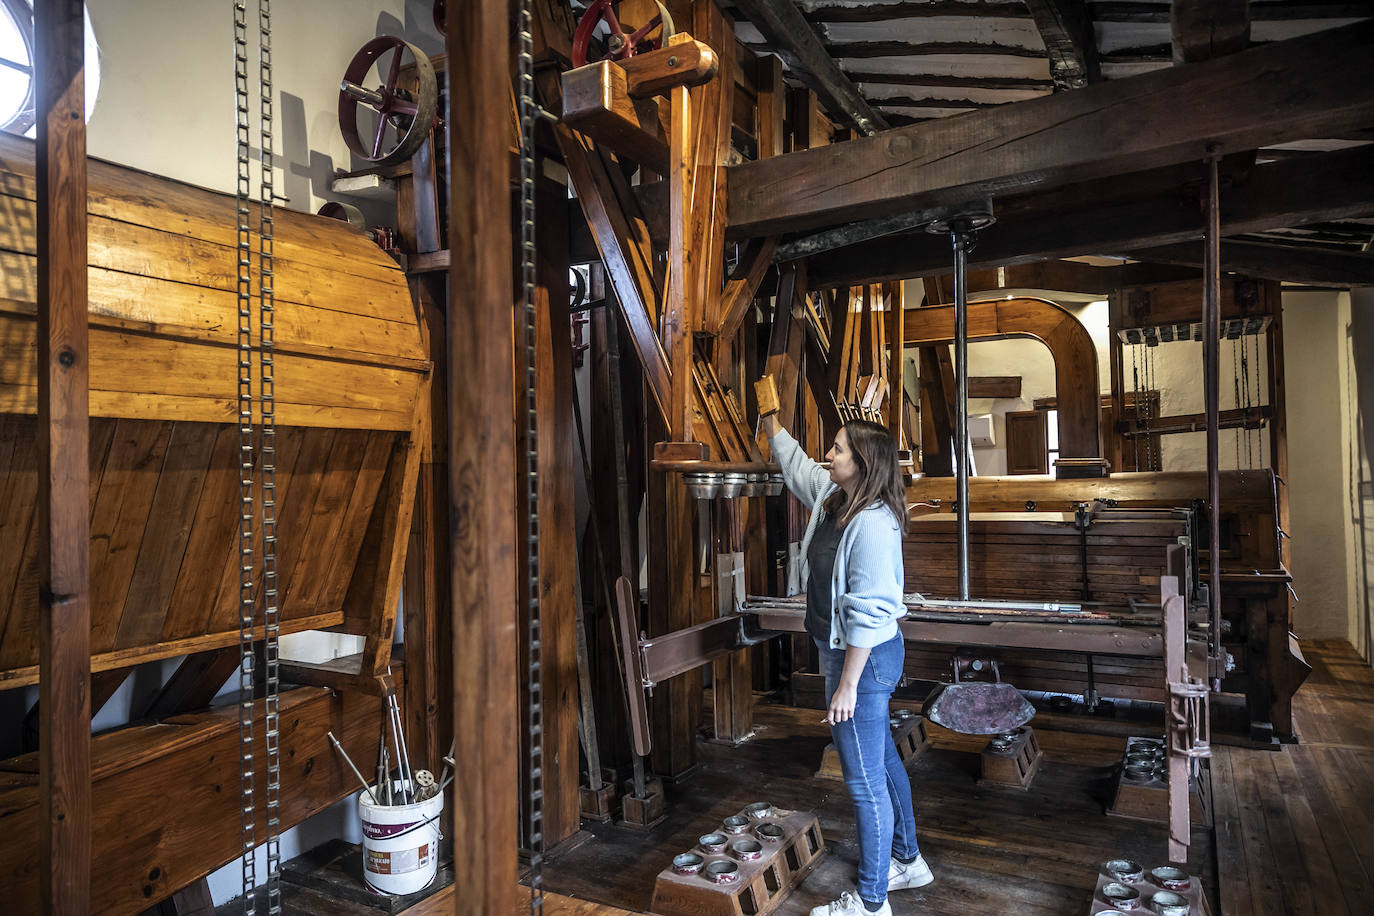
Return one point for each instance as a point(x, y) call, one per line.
point(896, 342)
point(732, 676)
point(64, 768)
point(481, 453)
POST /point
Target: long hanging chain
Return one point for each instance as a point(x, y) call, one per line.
point(1245, 382)
point(1259, 430)
point(1235, 377)
point(1135, 381)
point(528, 111)
point(267, 397)
point(242, 190)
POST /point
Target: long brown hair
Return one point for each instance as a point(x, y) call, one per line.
point(880, 476)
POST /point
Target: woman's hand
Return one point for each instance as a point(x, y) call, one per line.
point(842, 703)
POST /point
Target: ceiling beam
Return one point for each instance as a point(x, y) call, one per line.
point(1287, 11)
point(1067, 31)
point(1295, 263)
point(1204, 29)
point(826, 11)
point(948, 80)
point(1041, 226)
point(867, 49)
point(1292, 90)
point(793, 38)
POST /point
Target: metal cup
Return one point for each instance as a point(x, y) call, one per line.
point(689, 863)
point(713, 842)
point(731, 485)
point(1121, 896)
point(736, 823)
point(1124, 870)
point(769, 833)
point(1170, 878)
point(746, 849)
point(1167, 903)
point(721, 871)
point(758, 811)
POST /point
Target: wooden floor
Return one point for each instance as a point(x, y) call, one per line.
point(1295, 829)
point(1308, 808)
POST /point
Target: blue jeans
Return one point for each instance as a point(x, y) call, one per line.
point(877, 782)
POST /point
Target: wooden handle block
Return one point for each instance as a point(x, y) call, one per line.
point(766, 391)
point(683, 62)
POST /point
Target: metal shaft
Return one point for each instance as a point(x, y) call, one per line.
point(1211, 342)
point(349, 760)
point(959, 239)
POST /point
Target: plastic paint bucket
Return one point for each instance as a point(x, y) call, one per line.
point(400, 844)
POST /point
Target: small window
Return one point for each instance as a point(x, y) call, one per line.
point(16, 66)
point(17, 108)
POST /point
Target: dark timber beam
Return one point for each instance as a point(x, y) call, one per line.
point(1295, 263)
point(788, 33)
point(1291, 90)
point(1067, 31)
point(914, 9)
point(481, 448)
point(63, 524)
point(1287, 11)
point(1052, 225)
point(1203, 29)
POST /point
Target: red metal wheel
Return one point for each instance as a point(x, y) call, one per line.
point(619, 45)
point(408, 113)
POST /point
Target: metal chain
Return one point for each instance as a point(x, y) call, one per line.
point(267, 442)
point(1245, 381)
point(242, 189)
point(1135, 380)
point(529, 110)
point(1235, 377)
point(1259, 430)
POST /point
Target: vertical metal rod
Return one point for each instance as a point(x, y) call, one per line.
point(959, 239)
point(1211, 337)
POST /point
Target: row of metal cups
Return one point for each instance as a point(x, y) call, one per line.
point(709, 485)
point(742, 848)
point(1146, 760)
point(1169, 900)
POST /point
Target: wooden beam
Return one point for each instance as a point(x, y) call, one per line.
point(481, 453)
point(1067, 31)
point(1294, 263)
point(1287, 11)
point(63, 524)
point(791, 36)
point(1292, 90)
point(994, 386)
point(912, 9)
point(1275, 195)
point(597, 102)
point(1203, 29)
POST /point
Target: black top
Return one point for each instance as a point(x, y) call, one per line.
point(820, 556)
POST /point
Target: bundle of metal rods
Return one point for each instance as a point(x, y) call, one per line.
point(408, 786)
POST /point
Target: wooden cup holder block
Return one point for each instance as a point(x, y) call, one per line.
point(1142, 792)
point(646, 811)
point(760, 884)
point(1146, 887)
point(908, 733)
point(1011, 759)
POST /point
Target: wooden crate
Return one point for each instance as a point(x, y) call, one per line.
point(1015, 766)
point(1149, 801)
point(762, 885)
point(1197, 900)
point(909, 734)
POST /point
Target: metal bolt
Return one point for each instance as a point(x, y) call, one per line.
point(672, 61)
point(66, 358)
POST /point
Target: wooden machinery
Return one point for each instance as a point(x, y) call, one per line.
point(352, 378)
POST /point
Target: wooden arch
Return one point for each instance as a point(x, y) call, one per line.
point(1075, 356)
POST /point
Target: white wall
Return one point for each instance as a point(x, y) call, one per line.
point(1319, 435)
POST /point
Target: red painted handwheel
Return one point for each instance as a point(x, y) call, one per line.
point(404, 117)
point(619, 45)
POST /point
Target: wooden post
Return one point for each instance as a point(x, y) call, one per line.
point(896, 342)
point(64, 757)
point(481, 452)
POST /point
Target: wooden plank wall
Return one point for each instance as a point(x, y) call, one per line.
point(164, 535)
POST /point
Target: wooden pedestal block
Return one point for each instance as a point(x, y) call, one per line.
point(1149, 800)
point(1013, 766)
point(761, 886)
point(642, 812)
point(598, 805)
point(908, 733)
point(1197, 900)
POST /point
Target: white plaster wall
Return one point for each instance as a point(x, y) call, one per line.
point(1318, 461)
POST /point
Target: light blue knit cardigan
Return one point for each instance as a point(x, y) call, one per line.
point(866, 588)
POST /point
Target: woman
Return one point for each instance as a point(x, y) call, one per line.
point(852, 566)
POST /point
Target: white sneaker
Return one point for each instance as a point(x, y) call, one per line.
point(849, 904)
point(901, 877)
